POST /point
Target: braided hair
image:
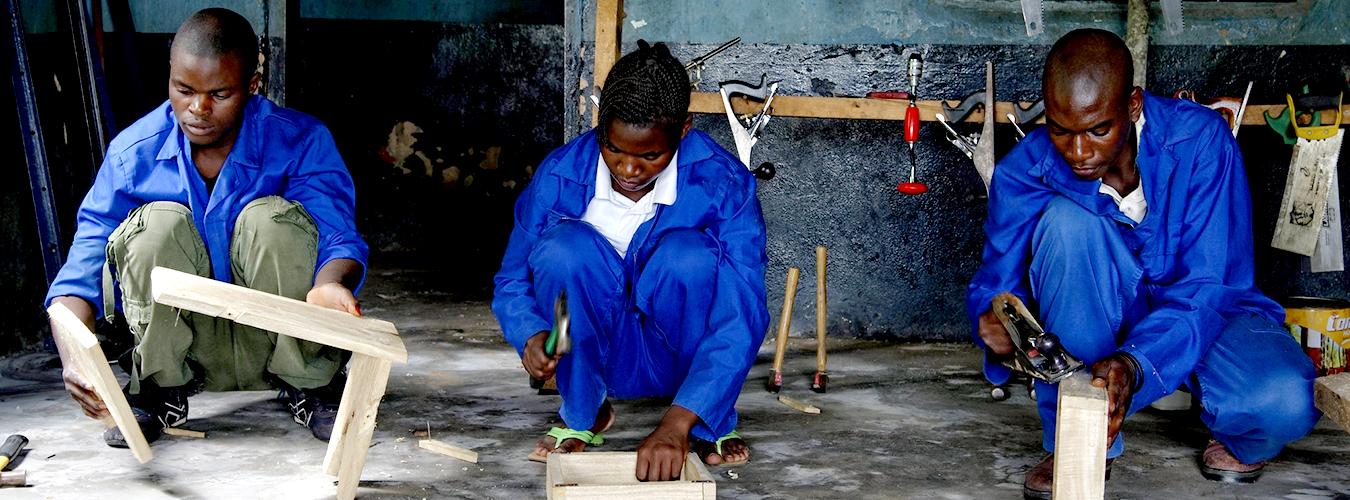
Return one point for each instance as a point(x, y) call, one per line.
point(647, 87)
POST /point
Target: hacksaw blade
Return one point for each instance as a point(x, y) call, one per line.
point(1031, 14)
point(1173, 20)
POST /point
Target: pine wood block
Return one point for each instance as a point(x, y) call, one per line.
point(83, 349)
point(1332, 396)
point(1080, 440)
point(800, 406)
point(187, 433)
point(278, 314)
point(610, 475)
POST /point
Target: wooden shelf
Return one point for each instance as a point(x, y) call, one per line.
point(855, 108)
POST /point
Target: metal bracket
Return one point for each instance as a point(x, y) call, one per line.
point(959, 112)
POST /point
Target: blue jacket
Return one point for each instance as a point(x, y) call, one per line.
point(716, 194)
point(278, 152)
point(1195, 243)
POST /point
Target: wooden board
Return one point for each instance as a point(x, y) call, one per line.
point(187, 433)
point(610, 475)
point(278, 314)
point(83, 349)
point(1332, 395)
point(859, 108)
point(608, 42)
point(1080, 439)
point(798, 405)
point(347, 448)
point(449, 450)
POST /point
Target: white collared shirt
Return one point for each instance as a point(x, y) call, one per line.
point(615, 216)
point(1132, 205)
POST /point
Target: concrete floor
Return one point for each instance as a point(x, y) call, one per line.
point(901, 421)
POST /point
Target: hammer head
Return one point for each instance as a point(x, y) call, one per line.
point(820, 382)
point(775, 382)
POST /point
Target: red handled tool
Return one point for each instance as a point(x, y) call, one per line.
point(913, 187)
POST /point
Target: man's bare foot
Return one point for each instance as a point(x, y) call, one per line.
point(604, 418)
point(734, 451)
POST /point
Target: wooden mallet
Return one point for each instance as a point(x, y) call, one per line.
point(775, 381)
point(822, 378)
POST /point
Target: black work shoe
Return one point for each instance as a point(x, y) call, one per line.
point(1039, 480)
point(155, 408)
point(315, 408)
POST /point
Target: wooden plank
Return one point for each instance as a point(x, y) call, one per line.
point(13, 478)
point(858, 108)
point(610, 475)
point(83, 349)
point(608, 44)
point(1332, 396)
point(187, 433)
point(449, 450)
point(822, 310)
point(366, 382)
point(798, 405)
point(1080, 439)
point(278, 314)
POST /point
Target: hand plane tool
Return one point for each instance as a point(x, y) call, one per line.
point(1038, 353)
point(559, 341)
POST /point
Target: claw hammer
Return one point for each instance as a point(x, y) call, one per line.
point(559, 340)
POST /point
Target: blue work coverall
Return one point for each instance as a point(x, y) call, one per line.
point(279, 152)
point(682, 315)
point(1176, 290)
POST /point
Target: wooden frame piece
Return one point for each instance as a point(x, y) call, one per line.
point(278, 314)
point(83, 349)
point(608, 44)
point(1080, 439)
point(374, 345)
point(609, 475)
point(1332, 396)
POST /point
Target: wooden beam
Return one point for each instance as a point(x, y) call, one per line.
point(83, 349)
point(449, 450)
point(858, 108)
point(1332, 395)
point(277, 314)
point(1080, 439)
point(608, 44)
point(347, 447)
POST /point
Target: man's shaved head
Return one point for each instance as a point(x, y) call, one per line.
point(1089, 59)
point(215, 33)
point(1091, 103)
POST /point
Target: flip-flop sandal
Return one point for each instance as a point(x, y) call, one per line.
point(560, 434)
point(705, 448)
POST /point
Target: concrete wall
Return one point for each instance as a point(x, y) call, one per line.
point(900, 265)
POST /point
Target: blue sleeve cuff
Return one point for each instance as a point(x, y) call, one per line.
point(1150, 385)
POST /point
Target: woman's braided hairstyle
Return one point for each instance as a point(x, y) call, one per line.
point(647, 87)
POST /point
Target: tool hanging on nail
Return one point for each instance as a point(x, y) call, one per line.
point(745, 131)
point(1020, 134)
point(695, 65)
point(965, 143)
point(913, 187)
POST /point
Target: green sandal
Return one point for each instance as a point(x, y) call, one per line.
point(560, 434)
point(705, 448)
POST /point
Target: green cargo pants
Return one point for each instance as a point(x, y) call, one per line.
point(273, 249)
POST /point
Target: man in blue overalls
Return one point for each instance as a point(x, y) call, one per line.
point(1127, 219)
point(655, 234)
point(222, 183)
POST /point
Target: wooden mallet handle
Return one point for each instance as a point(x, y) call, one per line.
point(822, 310)
point(785, 320)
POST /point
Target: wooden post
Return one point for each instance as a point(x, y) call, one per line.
point(83, 349)
point(608, 44)
point(1332, 394)
point(1080, 439)
point(356, 422)
point(784, 324)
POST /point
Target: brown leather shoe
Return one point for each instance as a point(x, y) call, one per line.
point(1039, 483)
point(1219, 464)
